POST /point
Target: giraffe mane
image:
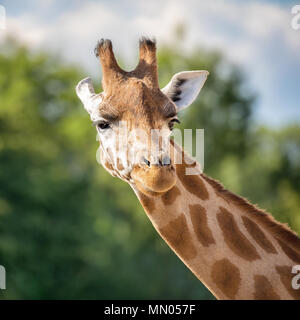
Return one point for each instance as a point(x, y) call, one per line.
point(279, 230)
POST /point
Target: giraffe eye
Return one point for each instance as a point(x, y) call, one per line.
point(103, 125)
point(172, 122)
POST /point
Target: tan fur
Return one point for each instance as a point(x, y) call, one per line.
point(199, 221)
point(170, 196)
point(177, 234)
point(234, 238)
point(258, 235)
point(147, 202)
point(236, 249)
point(227, 277)
point(192, 182)
point(264, 289)
point(233, 242)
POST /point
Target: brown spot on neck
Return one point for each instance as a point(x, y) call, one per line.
point(289, 251)
point(178, 236)
point(264, 289)
point(199, 221)
point(227, 277)
point(234, 238)
point(147, 202)
point(286, 276)
point(258, 235)
point(193, 183)
point(170, 196)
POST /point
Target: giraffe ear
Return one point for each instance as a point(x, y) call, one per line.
point(184, 87)
point(86, 93)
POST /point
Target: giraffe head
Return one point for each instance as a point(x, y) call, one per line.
point(134, 118)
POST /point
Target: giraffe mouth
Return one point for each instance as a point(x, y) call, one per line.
point(154, 180)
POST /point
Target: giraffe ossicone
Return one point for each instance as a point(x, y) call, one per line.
point(236, 249)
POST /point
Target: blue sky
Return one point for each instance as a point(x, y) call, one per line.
point(257, 35)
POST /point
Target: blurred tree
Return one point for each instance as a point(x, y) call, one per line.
point(68, 229)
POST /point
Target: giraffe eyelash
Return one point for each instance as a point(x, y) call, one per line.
point(101, 124)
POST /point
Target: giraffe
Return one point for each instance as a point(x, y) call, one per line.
point(236, 249)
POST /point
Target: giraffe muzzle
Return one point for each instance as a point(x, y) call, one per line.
point(153, 178)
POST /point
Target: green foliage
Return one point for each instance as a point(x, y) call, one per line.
point(68, 229)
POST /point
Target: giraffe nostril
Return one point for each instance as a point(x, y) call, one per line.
point(161, 161)
point(166, 161)
point(144, 160)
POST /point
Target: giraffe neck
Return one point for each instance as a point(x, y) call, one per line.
point(237, 250)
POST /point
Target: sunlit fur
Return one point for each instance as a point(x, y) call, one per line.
point(134, 102)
